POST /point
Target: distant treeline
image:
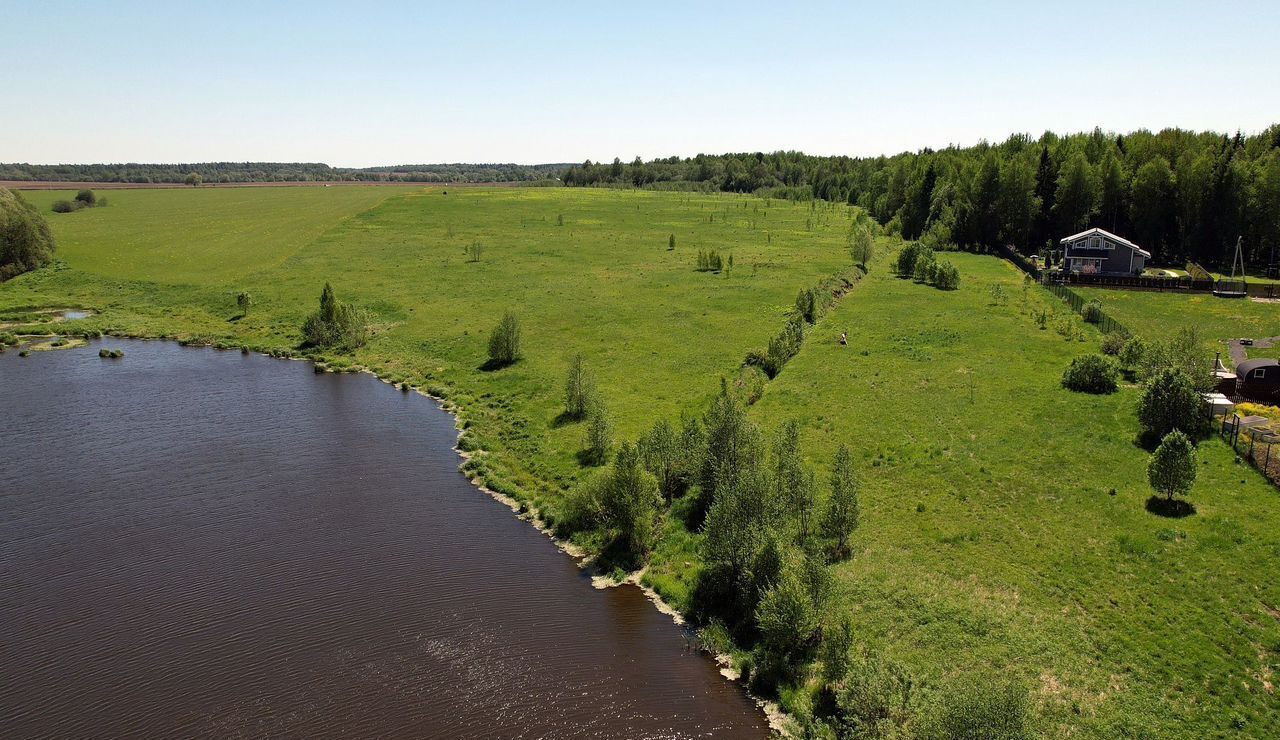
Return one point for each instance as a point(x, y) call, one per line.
point(233, 172)
point(1182, 195)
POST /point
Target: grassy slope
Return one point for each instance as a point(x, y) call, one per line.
point(1021, 560)
point(1155, 315)
point(657, 334)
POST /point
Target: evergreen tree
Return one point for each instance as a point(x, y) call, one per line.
point(1046, 188)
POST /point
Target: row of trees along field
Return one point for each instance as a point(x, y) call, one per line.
point(1182, 195)
point(237, 172)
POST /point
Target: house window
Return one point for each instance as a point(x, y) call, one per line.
point(1095, 243)
point(1260, 373)
point(1086, 265)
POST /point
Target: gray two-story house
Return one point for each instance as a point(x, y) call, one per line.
point(1099, 252)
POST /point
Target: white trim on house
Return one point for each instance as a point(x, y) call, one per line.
point(1103, 235)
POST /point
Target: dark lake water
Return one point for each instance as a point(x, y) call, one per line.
point(200, 543)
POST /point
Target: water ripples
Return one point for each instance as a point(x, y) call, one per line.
point(195, 543)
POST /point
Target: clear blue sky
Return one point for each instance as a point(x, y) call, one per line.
point(360, 84)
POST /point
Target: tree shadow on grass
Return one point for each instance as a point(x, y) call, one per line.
point(1170, 508)
point(491, 365)
point(589, 459)
point(564, 419)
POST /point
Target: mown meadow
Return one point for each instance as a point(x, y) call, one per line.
point(1003, 526)
point(1154, 314)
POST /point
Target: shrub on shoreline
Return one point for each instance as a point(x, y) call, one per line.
point(336, 325)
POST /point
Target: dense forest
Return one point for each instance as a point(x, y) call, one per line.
point(1182, 195)
point(235, 172)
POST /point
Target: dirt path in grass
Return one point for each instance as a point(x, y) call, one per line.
point(1240, 352)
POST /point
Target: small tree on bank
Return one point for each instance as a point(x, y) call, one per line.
point(671, 242)
point(630, 503)
point(244, 301)
point(599, 439)
point(504, 341)
point(1172, 469)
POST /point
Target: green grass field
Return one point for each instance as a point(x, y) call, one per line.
point(1156, 315)
point(1021, 558)
point(176, 236)
point(992, 541)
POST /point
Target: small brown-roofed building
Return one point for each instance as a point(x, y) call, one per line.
point(1099, 252)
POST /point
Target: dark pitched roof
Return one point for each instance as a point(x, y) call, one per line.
point(1248, 365)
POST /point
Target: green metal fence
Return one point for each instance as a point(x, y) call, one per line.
point(1079, 304)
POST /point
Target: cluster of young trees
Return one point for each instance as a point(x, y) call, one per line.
point(26, 243)
point(504, 341)
point(711, 261)
point(83, 199)
point(919, 262)
point(236, 172)
point(1182, 195)
point(335, 325)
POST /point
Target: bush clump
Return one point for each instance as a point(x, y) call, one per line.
point(1091, 374)
point(1092, 311)
point(946, 277)
point(26, 242)
point(1170, 402)
point(336, 325)
point(1113, 343)
point(784, 346)
point(710, 261)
